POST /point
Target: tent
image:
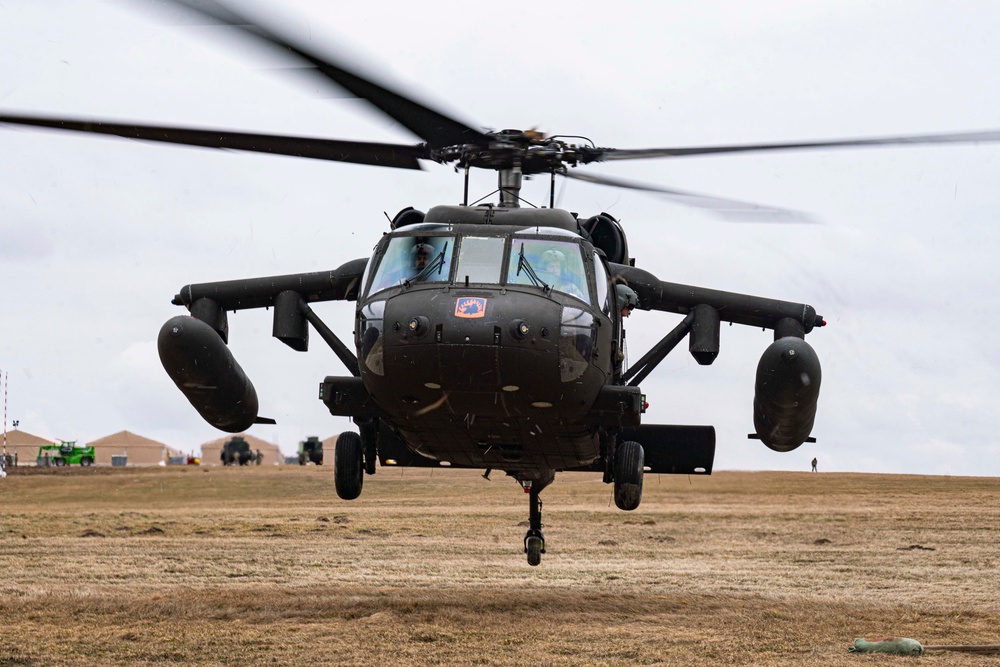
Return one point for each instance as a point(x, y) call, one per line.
point(25, 445)
point(140, 451)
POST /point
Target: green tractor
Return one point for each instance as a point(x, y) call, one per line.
point(65, 454)
point(311, 451)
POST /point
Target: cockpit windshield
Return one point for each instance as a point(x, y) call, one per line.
point(557, 264)
point(541, 262)
point(480, 259)
point(414, 259)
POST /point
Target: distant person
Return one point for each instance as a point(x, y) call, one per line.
point(260, 457)
point(815, 463)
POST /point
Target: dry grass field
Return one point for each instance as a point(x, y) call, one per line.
point(266, 566)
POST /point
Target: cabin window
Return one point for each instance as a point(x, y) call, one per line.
point(557, 264)
point(480, 260)
point(410, 259)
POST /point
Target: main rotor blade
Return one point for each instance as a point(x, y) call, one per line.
point(732, 210)
point(434, 127)
point(606, 154)
point(400, 156)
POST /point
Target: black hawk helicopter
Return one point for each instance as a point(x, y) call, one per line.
point(487, 336)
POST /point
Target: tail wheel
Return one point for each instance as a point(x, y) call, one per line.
point(628, 475)
point(348, 465)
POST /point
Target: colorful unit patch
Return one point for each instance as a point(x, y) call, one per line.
point(470, 306)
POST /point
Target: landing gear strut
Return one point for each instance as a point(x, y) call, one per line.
point(534, 541)
point(533, 483)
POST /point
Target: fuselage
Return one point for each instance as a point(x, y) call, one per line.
point(487, 345)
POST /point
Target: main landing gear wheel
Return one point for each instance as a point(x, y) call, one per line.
point(534, 541)
point(348, 465)
point(628, 475)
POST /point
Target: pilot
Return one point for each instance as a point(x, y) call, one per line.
point(627, 299)
point(421, 255)
point(553, 262)
point(553, 270)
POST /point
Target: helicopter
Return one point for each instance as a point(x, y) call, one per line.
point(483, 356)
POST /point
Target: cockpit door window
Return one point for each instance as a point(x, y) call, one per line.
point(576, 343)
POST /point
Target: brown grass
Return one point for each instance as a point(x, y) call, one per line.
point(266, 566)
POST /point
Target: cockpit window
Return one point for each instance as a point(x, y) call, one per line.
point(557, 264)
point(576, 343)
point(601, 280)
point(480, 260)
point(414, 259)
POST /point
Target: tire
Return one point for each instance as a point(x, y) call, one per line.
point(533, 546)
point(628, 475)
point(60, 462)
point(85, 461)
point(348, 465)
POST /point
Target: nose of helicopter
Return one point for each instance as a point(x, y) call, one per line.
point(471, 352)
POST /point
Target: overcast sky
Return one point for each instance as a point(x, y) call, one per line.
point(97, 234)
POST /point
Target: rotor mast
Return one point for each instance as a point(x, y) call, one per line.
point(510, 186)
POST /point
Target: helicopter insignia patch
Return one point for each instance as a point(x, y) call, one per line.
point(470, 307)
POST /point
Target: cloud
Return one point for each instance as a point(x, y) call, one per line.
point(22, 242)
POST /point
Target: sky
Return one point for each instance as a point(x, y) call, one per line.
point(98, 234)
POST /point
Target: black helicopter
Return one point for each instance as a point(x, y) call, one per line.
point(487, 336)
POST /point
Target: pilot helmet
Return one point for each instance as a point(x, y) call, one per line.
point(421, 253)
point(627, 298)
point(553, 255)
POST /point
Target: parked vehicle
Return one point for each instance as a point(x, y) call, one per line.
point(311, 450)
point(65, 453)
point(236, 451)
